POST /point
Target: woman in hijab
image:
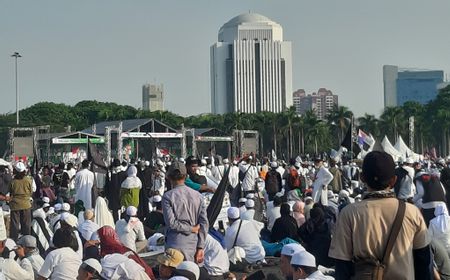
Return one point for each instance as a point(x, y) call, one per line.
point(316, 236)
point(285, 226)
point(439, 228)
point(110, 244)
point(103, 216)
point(130, 188)
point(298, 213)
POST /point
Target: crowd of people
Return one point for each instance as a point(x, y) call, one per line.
point(324, 218)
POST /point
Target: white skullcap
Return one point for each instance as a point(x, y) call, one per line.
point(94, 264)
point(131, 211)
point(169, 163)
point(298, 164)
point(157, 198)
point(274, 164)
point(39, 213)
point(20, 167)
point(65, 207)
point(191, 267)
point(233, 213)
point(147, 163)
point(250, 203)
point(308, 198)
point(250, 196)
point(182, 160)
point(303, 258)
point(242, 200)
point(46, 199)
point(411, 161)
point(292, 248)
point(71, 220)
point(225, 161)
point(203, 161)
point(58, 207)
point(45, 205)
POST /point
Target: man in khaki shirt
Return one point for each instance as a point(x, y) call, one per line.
point(363, 228)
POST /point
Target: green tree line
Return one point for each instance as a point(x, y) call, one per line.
point(288, 133)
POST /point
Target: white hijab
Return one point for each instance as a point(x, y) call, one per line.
point(441, 222)
point(132, 181)
point(103, 216)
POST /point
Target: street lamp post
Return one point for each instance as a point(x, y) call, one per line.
point(16, 55)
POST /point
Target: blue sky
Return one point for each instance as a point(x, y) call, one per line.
point(106, 49)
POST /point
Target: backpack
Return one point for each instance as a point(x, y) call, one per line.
point(295, 179)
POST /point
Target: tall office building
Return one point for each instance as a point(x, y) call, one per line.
point(321, 102)
point(152, 97)
point(251, 67)
point(409, 84)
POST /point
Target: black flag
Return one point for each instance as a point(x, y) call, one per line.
point(215, 205)
point(347, 142)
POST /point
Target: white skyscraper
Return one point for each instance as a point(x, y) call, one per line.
point(251, 67)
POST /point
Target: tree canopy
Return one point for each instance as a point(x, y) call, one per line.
point(288, 133)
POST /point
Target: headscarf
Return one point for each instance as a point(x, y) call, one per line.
point(78, 207)
point(132, 181)
point(285, 210)
point(441, 222)
point(317, 219)
point(297, 212)
point(110, 244)
point(102, 215)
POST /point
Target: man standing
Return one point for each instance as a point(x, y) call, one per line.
point(320, 185)
point(184, 215)
point(20, 191)
point(84, 181)
point(363, 229)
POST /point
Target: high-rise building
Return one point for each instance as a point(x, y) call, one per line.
point(152, 97)
point(251, 67)
point(409, 84)
point(321, 102)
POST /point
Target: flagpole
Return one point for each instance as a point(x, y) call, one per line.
point(351, 138)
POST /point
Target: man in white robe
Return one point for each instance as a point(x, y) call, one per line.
point(84, 181)
point(320, 185)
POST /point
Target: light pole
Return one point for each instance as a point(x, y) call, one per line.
point(16, 55)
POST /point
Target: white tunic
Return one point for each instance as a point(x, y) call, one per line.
point(84, 180)
point(248, 239)
point(216, 257)
point(130, 232)
point(320, 185)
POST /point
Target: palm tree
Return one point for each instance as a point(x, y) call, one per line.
point(290, 116)
point(369, 123)
point(341, 117)
point(391, 121)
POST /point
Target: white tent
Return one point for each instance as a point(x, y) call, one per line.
point(388, 148)
point(404, 150)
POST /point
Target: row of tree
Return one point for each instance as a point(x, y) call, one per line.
point(287, 133)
